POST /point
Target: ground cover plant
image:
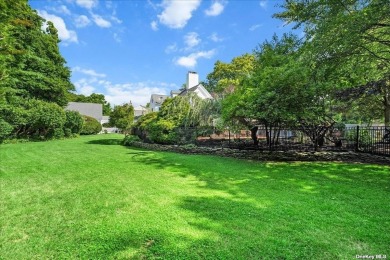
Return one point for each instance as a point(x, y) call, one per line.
point(92, 198)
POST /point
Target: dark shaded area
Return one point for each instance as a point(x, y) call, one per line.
point(105, 142)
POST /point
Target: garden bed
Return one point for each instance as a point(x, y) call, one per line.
point(342, 156)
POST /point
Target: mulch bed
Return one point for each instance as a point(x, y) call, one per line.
point(285, 156)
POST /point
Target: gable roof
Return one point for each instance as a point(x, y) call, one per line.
point(199, 90)
point(158, 99)
point(88, 109)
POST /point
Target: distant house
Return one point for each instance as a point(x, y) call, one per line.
point(174, 93)
point(88, 109)
point(194, 86)
point(140, 111)
point(156, 101)
point(105, 119)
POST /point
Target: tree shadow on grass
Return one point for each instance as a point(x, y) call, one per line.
point(105, 142)
point(274, 210)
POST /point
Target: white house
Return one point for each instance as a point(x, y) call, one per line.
point(140, 111)
point(193, 85)
point(156, 101)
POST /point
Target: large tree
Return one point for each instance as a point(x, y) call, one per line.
point(32, 72)
point(226, 76)
point(33, 63)
point(122, 116)
point(352, 39)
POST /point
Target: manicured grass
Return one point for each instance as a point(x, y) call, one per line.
point(91, 198)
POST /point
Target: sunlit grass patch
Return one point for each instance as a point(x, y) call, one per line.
point(92, 198)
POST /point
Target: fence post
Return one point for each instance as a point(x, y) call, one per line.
point(357, 139)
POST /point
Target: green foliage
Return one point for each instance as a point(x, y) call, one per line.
point(350, 41)
point(170, 125)
point(5, 130)
point(34, 79)
point(122, 116)
point(31, 57)
point(129, 140)
point(90, 126)
point(46, 119)
point(226, 76)
point(162, 131)
point(73, 124)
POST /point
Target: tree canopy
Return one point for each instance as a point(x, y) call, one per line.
point(34, 77)
point(352, 39)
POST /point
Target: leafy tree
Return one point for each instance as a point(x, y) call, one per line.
point(122, 116)
point(187, 112)
point(274, 93)
point(226, 76)
point(34, 80)
point(33, 62)
point(352, 39)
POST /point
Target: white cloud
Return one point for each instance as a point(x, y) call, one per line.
point(171, 48)
point(116, 19)
point(215, 38)
point(255, 27)
point(88, 4)
point(263, 4)
point(82, 21)
point(100, 21)
point(138, 93)
point(62, 9)
point(88, 72)
point(86, 90)
point(154, 26)
point(191, 60)
point(64, 34)
point(215, 9)
point(191, 39)
point(176, 13)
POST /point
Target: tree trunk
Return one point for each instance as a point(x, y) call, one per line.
point(387, 110)
point(254, 135)
point(386, 103)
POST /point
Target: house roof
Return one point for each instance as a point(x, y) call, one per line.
point(158, 99)
point(88, 109)
point(198, 88)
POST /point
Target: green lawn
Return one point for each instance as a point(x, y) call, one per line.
point(91, 198)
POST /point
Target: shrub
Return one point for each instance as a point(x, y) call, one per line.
point(162, 132)
point(5, 130)
point(130, 139)
point(73, 124)
point(46, 120)
point(90, 126)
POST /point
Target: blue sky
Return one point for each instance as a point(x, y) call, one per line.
point(128, 50)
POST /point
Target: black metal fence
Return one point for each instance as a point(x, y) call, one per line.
point(374, 140)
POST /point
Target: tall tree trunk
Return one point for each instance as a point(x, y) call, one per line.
point(254, 135)
point(386, 102)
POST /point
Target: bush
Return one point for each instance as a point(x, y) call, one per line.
point(46, 120)
point(130, 140)
point(73, 124)
point(90, 126)
point(162, 132)
point(5, 130)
